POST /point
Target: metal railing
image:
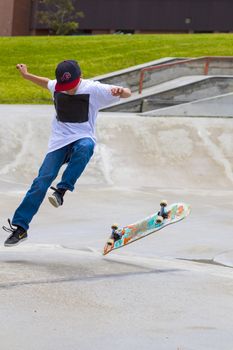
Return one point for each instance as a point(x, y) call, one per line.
point(206, 63)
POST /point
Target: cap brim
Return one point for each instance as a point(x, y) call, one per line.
point(67, 86)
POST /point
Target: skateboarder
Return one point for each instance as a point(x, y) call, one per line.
point(72, 138)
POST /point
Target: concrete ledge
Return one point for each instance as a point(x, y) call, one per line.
point(178, 91)
point(218, 106)
point(130, 77)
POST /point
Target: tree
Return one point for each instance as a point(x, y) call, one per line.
point(60, 16)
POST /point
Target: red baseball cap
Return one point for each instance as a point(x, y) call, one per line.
point(68, 75)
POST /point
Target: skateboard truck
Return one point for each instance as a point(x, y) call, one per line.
point(162, 214)
point(115, 236)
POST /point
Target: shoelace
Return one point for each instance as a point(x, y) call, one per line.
point(60, 193)
point(7, 229)
point(58, 190)
point(54, 189)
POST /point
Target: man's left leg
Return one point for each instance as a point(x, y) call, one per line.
point(81, 152)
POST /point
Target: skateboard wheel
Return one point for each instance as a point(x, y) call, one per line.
point(114, 227)
point(110, 242)
point(163, 203)
point(159, 220)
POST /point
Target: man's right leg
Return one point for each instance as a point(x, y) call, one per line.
point(34, 197)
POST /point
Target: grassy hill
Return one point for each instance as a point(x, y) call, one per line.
point(96, 55)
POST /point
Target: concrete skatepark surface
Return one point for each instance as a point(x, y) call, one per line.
point(171, 290)
point(198, 87)
point(218, 106)
point(175, 92)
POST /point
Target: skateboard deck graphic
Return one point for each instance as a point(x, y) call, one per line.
point(166, 216)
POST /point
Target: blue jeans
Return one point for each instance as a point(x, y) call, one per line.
point(77, 155)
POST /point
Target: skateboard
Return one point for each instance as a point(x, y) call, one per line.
point(167, 215)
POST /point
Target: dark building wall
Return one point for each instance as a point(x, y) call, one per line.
point(18, 17)
point(157, 15)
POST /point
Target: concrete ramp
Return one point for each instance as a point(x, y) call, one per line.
point(167, 69)
point(178, 91)
point(130, 77)
point(219, 106)
point(172, 81)
point(132, 151)
point(190, 154)
point(187, 67)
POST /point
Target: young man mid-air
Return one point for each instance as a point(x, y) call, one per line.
point(72, 138)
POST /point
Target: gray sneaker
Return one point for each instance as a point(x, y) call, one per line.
point(56, 198)
point(18, 235)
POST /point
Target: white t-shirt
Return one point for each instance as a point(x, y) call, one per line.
point(63, 134)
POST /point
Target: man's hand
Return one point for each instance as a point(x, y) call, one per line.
point(41, 81)
point(120, 91)
point(22, 68)
point(117, 91)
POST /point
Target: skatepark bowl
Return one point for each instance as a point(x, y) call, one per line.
point(171, 290)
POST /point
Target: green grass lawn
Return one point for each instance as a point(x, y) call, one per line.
point(96, 54)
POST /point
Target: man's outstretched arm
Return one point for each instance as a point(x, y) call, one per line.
point(41, 81)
